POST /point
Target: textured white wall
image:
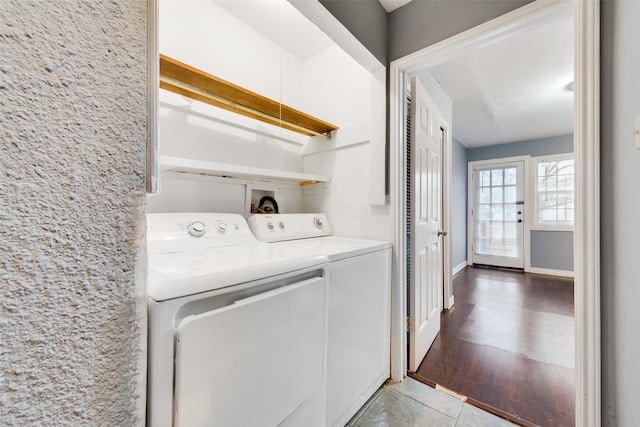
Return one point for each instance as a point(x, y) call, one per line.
point(72, 135)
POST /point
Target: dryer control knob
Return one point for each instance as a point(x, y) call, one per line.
point(281, 225)
point(196, 229)
point(317, 221)
point(222, 227)
point(270, 225)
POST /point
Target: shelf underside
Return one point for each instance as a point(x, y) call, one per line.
point(193, 83)
point(199, 167)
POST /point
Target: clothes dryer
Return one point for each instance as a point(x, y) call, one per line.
point(359, 305)
point(237, 327)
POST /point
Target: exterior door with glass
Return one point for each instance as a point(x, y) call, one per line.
point(497, 213)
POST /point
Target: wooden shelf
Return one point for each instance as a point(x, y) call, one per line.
point(199, 167)
point(191, 82)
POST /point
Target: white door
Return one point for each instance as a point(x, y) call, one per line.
point(425, 291)
point(497, 214)
point(254, 362)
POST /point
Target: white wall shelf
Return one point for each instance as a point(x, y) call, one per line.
point(183, 79)
point(227, 170)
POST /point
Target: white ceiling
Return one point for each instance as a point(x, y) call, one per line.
point(391, 5)
point(280, 22)
point(513, 90)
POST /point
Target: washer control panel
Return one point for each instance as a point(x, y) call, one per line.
point(280, 227)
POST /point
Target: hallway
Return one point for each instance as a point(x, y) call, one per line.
point(508, 346)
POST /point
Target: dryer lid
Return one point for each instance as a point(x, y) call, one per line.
point(178, 274)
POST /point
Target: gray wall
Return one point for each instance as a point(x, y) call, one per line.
point(422, 23)
point(366, 20)
point(458, 199)
point(72, 135)
point(552, 249)
point(620, 204)
point(549, 249)
point(537, 147)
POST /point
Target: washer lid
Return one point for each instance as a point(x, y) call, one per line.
point(173, 275)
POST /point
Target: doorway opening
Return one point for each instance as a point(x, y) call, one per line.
point(585, 143)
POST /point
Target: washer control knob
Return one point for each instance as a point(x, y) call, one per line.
point(281, 225)
point(196, 229)
point(317, 221)
point(270, 225)
point(222, 227)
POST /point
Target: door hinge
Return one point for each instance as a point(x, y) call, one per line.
point(408, 324)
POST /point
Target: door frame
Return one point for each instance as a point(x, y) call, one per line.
point(587, 161)
point(445, 221)
point(526, 232)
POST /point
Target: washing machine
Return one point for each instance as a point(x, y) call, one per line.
point(237, 328)
point(359, 306)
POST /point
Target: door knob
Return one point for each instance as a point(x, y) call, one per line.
point(442, 233)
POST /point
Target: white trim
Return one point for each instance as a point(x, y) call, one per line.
point(397, 194)
point(586, 151)
point(458, 268)
point(538, 227)
point(153, 89)
point(446, 216)
point(550, 272)
point(587, 236)
point(526, 197)
point(500, 160)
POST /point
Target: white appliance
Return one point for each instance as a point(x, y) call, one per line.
point(237, 327)
point(359, 306)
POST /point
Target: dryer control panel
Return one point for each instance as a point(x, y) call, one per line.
point(174, 232)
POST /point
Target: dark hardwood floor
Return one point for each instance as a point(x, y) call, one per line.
point(508, 346)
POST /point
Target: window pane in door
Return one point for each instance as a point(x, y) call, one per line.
point(484, 212)
point(510, 176)
point(510, 194)
point(496, 177)
point(484, 195)
point(496, 231)
point(496, 195)
point(485, 178)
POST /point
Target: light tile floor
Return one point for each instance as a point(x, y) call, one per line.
point(411, 403)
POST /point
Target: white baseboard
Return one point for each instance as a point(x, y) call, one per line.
point(458, 268)
point(550, 272)
point(451, 301)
